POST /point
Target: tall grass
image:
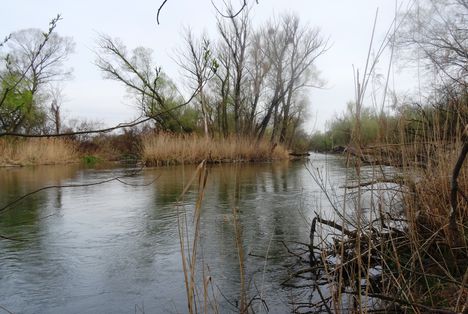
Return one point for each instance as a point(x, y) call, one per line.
point(382, 259)
point(36, 151)
point(163, 149)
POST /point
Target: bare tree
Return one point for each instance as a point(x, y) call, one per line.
point(434, 37)
point(199, 66)
point(235, 33)
point(292, 50)
point(436, 34)
point(276, 45)
point(306, 45)
point(55, 110)
point(257, 70)
point(221, 87)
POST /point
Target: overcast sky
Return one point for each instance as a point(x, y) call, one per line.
point(348, 24)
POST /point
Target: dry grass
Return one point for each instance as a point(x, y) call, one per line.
point(422, 259)
point(164, 149)
point(431, 191)
point(40, 151)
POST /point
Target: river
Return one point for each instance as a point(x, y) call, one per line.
point(115, 247)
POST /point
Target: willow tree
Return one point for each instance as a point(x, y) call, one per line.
point(156, 95)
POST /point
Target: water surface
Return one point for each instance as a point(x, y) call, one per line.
point(115, 247)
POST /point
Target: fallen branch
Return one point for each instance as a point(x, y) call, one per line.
point(398, 181)
point(454, 186)
point(427, 309)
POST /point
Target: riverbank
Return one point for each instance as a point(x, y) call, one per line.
point(411, 253)
point(151, 149)
point(166, 149)
point(37, 151)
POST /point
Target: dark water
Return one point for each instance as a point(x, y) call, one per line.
point(115, 248)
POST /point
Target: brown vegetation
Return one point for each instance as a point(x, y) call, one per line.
point(166, 149)
point(37, 151)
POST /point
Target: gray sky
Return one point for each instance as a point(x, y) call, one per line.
point(348, 24)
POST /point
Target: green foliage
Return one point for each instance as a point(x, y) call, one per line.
point(18, 110)
point(369, 129)
point(30, 59)
point(188, 119)
point(373, 127)
point(301, 142)
point(321, 142)
point(340, 131)
point(90, 160)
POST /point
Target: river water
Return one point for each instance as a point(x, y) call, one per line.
point(115, 247)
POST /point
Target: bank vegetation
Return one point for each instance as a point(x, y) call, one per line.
point(249, 83)
point(406, 251)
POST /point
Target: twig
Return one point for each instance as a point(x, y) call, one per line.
point(6, 310)
point(119, 179)
point(230, 14)
point(427, 309)
point(335, 225)
point(11, 239)
point(159, 10)
point(292, 253)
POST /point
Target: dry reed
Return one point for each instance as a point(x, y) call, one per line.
point(36, 151)
point(416, 262)
point(166, 149)
point(410, 263)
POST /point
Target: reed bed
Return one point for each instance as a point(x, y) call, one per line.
point(37, 151)
point(166, 149)
point(415, 261)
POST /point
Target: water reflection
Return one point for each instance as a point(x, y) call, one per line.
point(109, 247)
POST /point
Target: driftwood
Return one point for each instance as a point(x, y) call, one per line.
point(355, 253)
point(299, 155)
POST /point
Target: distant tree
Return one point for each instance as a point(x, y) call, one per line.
point(196, 59)
point(235, 33)
point(220, 87)
point(262, 75)
point(31, 61)
point(436, 34)
point(291, 49)
point(55, 109)
point(156, 94)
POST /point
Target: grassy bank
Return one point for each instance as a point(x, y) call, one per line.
point(166, 149)
point(37, 151)
point(153, 150)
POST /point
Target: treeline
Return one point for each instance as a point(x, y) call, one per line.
point(249, 82)
point(440, 118)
